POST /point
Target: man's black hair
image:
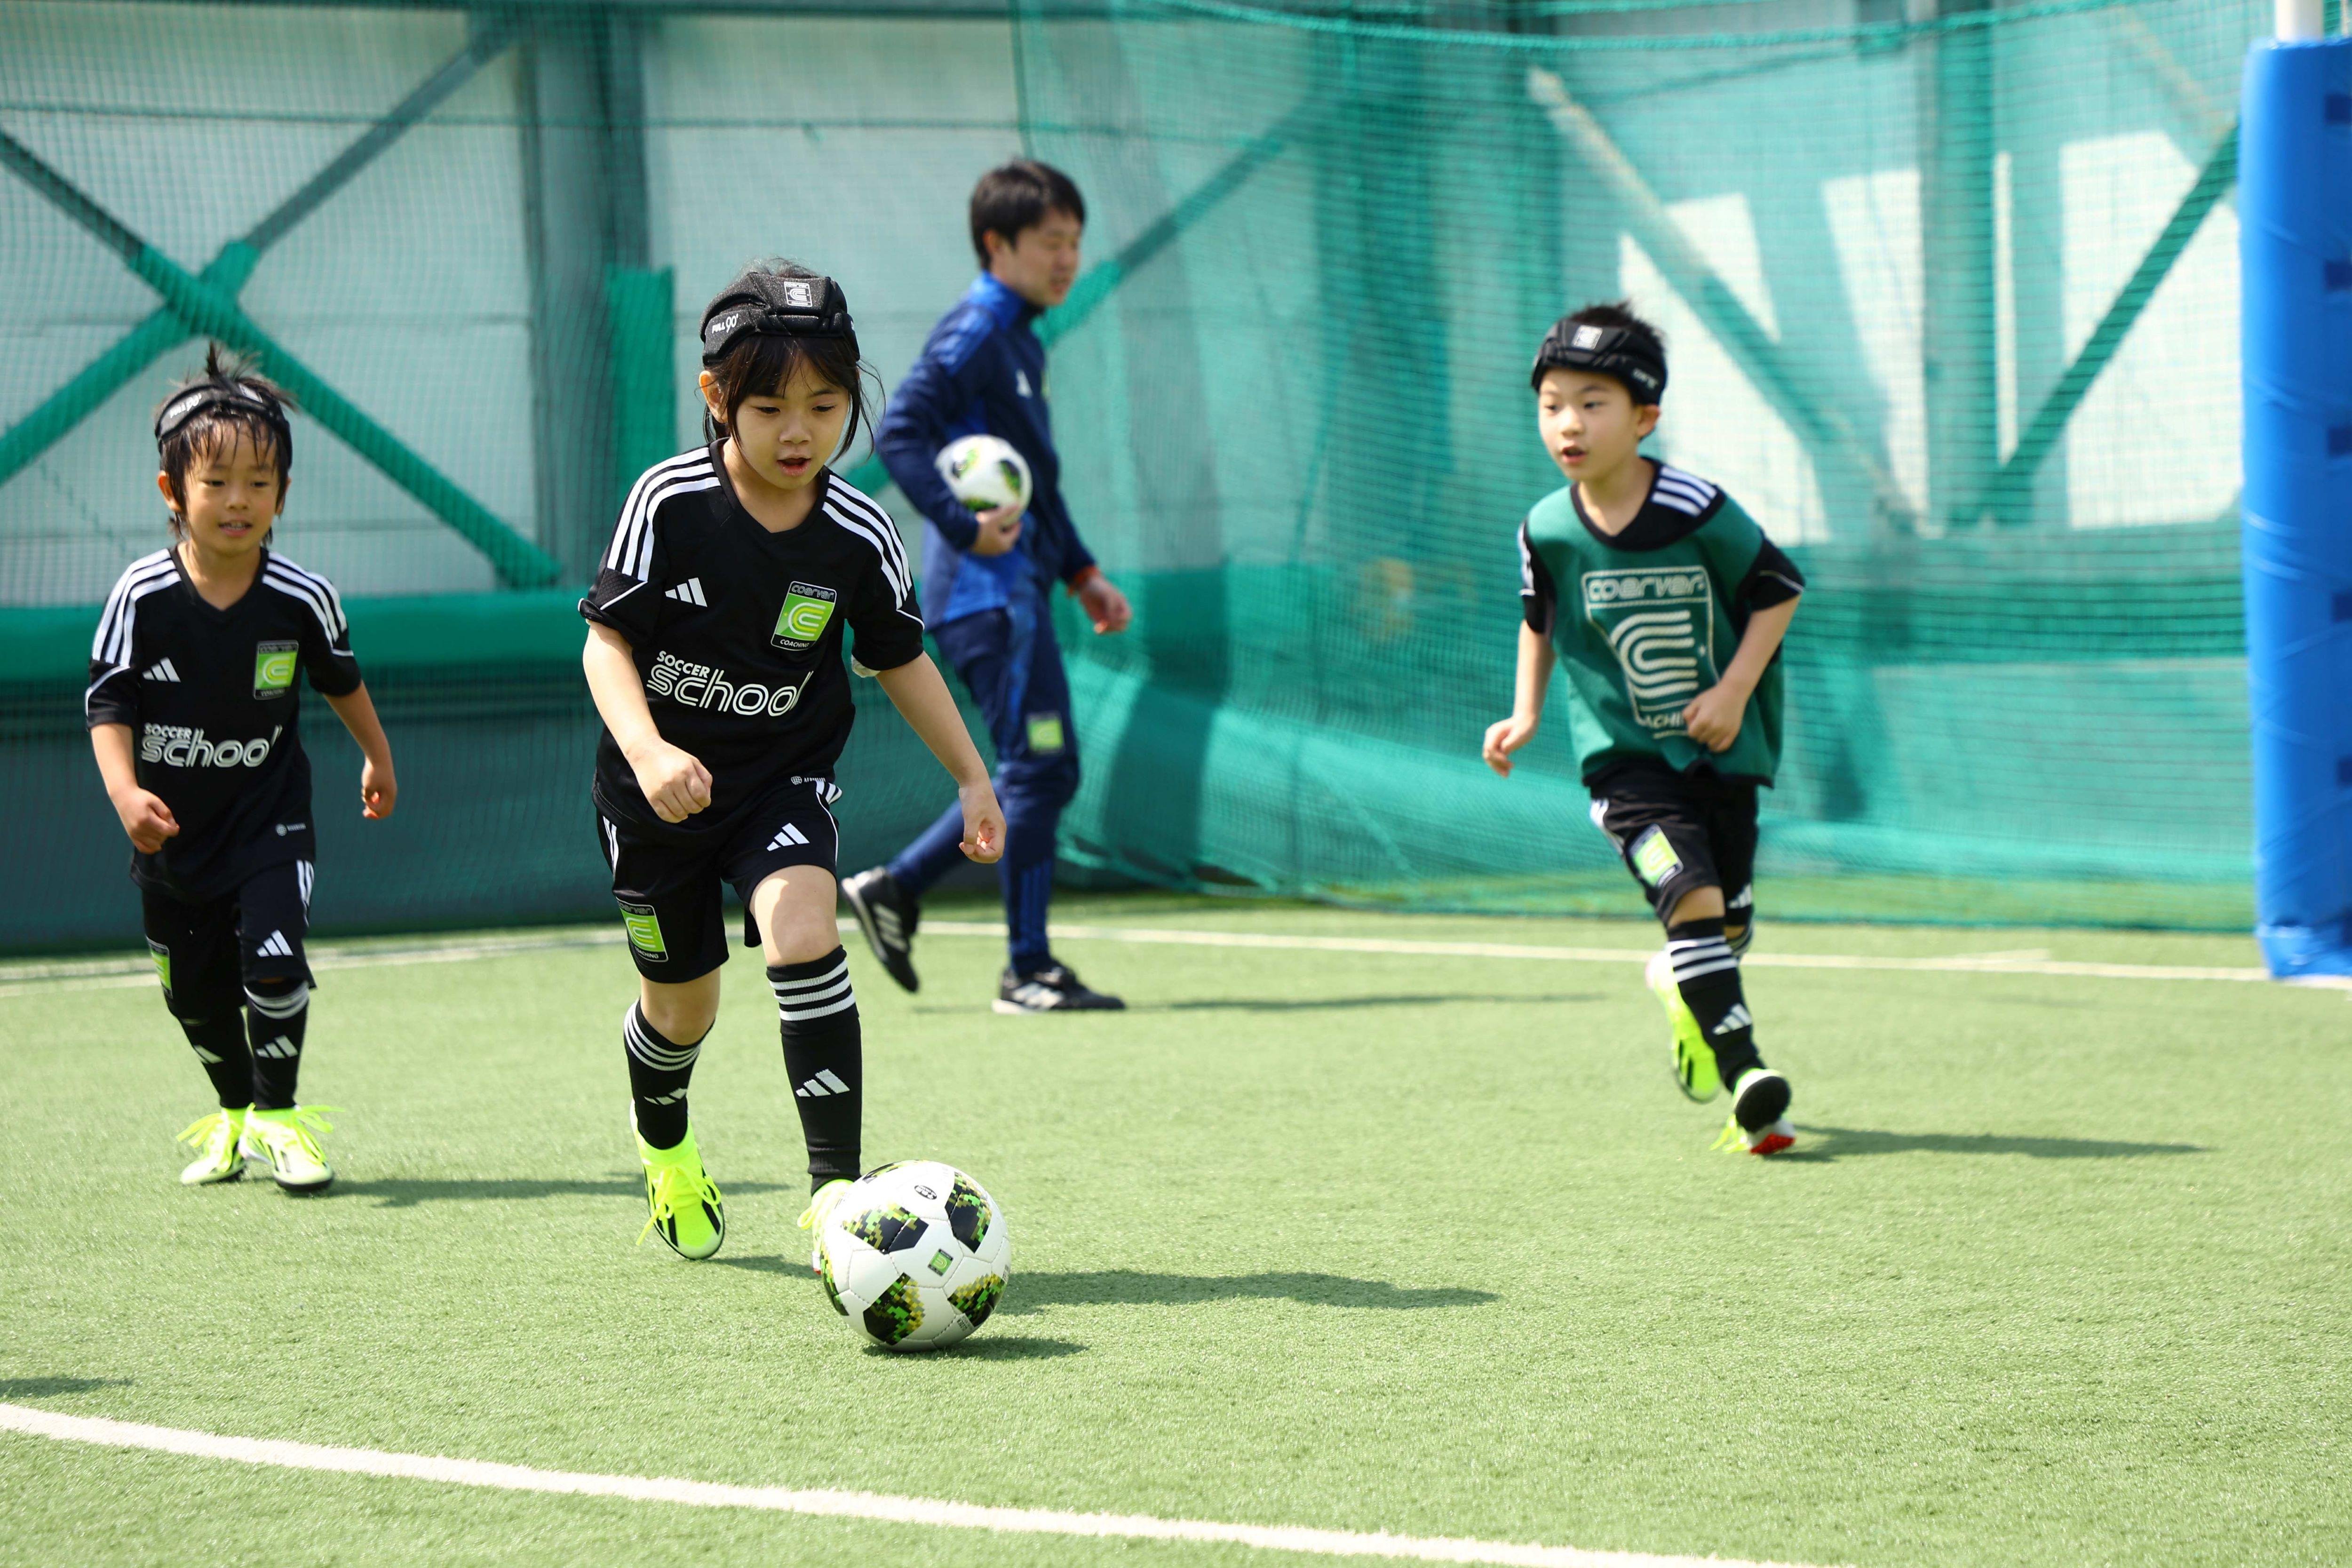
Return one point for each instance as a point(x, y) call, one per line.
point(1018, 195)
point(207, 415)
point(1608, 340)
point(756, 362)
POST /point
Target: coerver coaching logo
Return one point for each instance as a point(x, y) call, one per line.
point(808, 609)
point(1660, 623)
point(273, 669)
point(644, 930)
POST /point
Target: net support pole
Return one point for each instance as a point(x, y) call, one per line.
point(1829, 435)
point(2295, 236)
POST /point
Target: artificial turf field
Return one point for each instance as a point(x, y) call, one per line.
point(1366, 1241)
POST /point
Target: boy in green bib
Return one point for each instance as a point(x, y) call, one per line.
point(1665, 605)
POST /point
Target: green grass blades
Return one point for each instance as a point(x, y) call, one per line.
point(2057, 1273)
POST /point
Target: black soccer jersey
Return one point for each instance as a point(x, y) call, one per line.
point(737, 631)
point(214, 708)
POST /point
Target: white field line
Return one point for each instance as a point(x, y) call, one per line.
point(825, 1504)
point(2034, 962)
point(113, 973)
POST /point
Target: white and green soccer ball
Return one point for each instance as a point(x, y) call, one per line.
point(916, 1255)
point(984, 472)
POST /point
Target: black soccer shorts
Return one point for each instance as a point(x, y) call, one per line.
point(668, 885)
point(205, 954)
point(1681, 831)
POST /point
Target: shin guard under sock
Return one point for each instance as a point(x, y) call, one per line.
point(816, 1014)
point(659, 1069)
point(1706, 973)
point(277, 1013)
point(219, 1044)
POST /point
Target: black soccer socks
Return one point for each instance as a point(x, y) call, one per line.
point(658, 1071)
point(1707, 972)
point(816, 1013)
point(275, 1014)
point(219, 1044)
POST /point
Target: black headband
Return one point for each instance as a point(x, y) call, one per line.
point(208, 397)
point(775, 307)
point(1631, 357)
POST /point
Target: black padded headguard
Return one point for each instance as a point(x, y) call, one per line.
point(225, 394)
point(770, 306)
point(1629, 357)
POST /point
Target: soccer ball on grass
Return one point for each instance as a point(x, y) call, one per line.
point(916, 1255)
point(985, 472)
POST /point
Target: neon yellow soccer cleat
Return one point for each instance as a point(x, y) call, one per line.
point(1694, 1058)
point(288, 1141)
point(218, 1140)
point(812, 1218)
point(681, 1202)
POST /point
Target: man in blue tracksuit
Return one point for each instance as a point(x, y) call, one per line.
point(987, 577)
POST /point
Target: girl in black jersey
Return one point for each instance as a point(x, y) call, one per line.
point(191, 707)
point(715, 654)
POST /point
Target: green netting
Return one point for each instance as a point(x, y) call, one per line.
point(1952, 305)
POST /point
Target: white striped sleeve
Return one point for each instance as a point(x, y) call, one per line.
point(111, 697)
point(631, 552)
point(326, 605)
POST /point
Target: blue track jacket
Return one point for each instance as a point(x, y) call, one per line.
point(982, 373)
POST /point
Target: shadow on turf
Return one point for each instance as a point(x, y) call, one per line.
point(1842, 1143)
point(1133, 1287)
point(408, 1192)
point(981, 1347)
point(50, 1387)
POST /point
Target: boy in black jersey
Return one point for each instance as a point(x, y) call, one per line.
point(192, 710)
point(715, 655)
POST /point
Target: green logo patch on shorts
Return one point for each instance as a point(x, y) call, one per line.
point(163, 957)
point(273, 668)
point(1653, 858)
point(808, 610)
point(1045, 732)
point(644, 930)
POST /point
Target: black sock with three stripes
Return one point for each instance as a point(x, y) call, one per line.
point(1707, 972)
point(816, 1013)
point(659, 1069)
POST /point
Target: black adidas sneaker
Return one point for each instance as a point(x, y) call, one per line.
point(887, 917)
point(1053, 989)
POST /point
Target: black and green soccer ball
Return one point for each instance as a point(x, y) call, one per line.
point(916, 1255)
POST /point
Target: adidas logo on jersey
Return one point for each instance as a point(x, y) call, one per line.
point(1737, 1018)
point(786, 836)
point(824, 1084)
point(688, 592)
point(161, 670)
point(275, 945)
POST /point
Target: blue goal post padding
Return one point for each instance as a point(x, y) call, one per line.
point(2294, 210)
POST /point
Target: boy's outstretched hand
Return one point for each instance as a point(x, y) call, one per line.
point(983, 823)
point(1713, 717)
point(1505, 736)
